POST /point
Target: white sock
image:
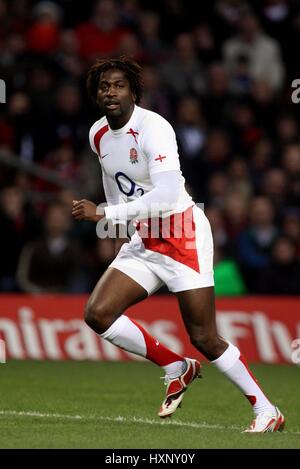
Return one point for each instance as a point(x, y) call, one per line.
point(126, 335)
point(175, 369)
point(234, 366)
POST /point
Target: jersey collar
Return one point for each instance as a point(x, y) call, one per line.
point(123, 130)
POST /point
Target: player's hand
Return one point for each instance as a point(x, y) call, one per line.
point(86, 210)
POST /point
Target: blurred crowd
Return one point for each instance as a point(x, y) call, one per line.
point(219, 71)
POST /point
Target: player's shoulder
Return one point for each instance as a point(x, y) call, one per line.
point(98, 125)
point(148, 119)
point(94, 131)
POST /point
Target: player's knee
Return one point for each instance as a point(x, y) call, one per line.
point(206, 342)
point(97, 316)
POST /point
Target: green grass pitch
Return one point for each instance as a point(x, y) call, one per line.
point(114, 405)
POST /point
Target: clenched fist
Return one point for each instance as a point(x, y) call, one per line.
point(86, 210)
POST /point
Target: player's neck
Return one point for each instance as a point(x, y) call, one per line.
point(116, 123)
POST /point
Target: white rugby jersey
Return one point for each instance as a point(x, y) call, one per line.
point(129, 156)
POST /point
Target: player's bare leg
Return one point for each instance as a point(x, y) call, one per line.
point(113, 294)
point(198, 312)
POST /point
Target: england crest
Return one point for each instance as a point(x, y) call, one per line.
point(133, 156)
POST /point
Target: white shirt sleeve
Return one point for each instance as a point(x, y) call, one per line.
point(91, 138)
point(159, 200)
point(158, 143)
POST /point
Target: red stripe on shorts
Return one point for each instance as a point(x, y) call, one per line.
point(172, 236)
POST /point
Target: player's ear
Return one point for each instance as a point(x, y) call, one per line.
point(133, 96)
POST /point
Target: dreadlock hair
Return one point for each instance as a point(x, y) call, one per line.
point(132, 70)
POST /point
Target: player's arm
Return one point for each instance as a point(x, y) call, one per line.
point(162, 198)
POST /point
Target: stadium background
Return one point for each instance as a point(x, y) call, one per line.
point(222, 75)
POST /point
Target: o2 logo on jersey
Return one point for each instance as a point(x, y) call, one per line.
point(127, 186)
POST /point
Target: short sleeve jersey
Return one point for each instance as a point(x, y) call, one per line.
point(129, 156)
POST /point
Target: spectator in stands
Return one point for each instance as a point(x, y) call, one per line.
point(275, 187)
point(52, 264)
point(217, 151)
point(291, 226)
point(69, 124)
point(21, 121)
point(18, 225)
point(241, 80)
point(130, 11)
point(190, 129)
point(276, 16)
point(183, 73)
point(265, 104)
point(82, 233)
point(149, 31)
point(19, 13)
point(282, 277)
point(256, 51)
point(244, 128)
point(13, 50)
point(175, 17)
point(236, 210)
point(218, 228)
point(41, 77)
point(291, 160)
point(205, 44)
point(130, 46)
point(217, 188)
point(290, 163)
point(4, 22)
point(63, 164)
point(253, 246)
point(260, 160)
point(43, 34)
point(67, 56)
point(239, 176)
point(101, 35)
point(216, 100)
point(155, 97)
point(287, 129)
point(227, 16)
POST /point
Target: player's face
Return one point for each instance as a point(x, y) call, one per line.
point(114, 96)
